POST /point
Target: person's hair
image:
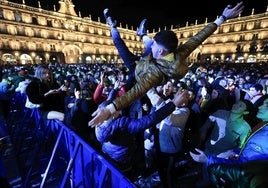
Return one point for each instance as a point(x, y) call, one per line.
point(39, 71)
point(182, 84)
point(260, 101)
point(250, 118)
point(168, 39)
point(221, 91)
point(258, 87)
point(192, 90)
point(74, 86)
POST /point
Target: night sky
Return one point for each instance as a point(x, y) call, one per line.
point(159, 14)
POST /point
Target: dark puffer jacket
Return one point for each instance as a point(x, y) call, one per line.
point(118, 135)
point(252, 174)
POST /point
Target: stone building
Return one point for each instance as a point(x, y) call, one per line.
point(34, 35)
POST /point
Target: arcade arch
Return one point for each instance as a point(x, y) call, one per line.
point(72, 54)
point(26, 59)
point(8, 58)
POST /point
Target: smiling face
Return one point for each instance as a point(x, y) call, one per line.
point(263, 111)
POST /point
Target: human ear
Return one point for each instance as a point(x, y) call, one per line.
point(162, 51)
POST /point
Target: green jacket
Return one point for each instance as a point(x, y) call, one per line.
point(150, 73)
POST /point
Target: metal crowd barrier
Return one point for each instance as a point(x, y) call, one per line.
point(86, 167)
point(69, 161)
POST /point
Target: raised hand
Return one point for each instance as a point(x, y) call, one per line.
point(230, 12)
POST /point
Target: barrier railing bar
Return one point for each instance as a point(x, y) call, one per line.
point(70, 164)
point(52, 156)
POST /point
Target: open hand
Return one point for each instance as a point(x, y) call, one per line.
point(230, 12)
point(101, 114)
point(200, 157)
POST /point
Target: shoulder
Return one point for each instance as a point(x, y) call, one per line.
point(221, 113)
point(182, 110)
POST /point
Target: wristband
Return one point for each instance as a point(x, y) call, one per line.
point(224, 17)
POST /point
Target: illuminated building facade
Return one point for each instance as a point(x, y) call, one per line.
point(34, 35)
point(243, 39)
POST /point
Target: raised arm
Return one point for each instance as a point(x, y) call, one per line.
point(230, 12)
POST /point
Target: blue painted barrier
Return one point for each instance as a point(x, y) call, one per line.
point(86, 167)
point(83, 166)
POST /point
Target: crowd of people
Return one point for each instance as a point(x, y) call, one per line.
point(144, 114)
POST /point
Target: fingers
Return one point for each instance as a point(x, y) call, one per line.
point(198, 150)
point(91, 123)
point(239, 6)
point(230, 12)
point(192, 154)
point(101, 114)
point(95, 113)
point(95, 121)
